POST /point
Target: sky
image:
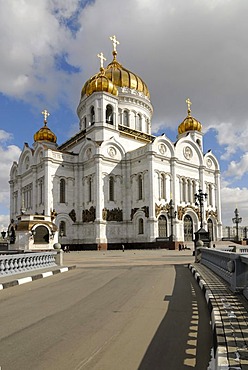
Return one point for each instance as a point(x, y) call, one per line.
point(194, 48)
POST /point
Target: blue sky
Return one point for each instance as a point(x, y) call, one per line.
point(181, 49)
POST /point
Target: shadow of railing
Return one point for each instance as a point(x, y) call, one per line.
point(184, 338)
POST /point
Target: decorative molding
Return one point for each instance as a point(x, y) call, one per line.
point(72, 215)
point(212, 213)
point(145, 209)
point(89, 215)
point(115, 214)
point(160, 207)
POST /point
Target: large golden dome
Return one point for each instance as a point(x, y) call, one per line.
point(45, 134)
point(114, 74)
point(189, 123)
point(122, 77)
point(99, 82)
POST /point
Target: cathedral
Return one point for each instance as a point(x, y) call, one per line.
point(114, 183)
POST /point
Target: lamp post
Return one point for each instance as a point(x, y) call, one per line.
point(172, 215)
point(200, 197)
point(237, 220)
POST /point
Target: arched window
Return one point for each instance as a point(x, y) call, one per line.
point(92, 115)
point(109, 114)
point(111, 188)
point(210, 229)
point(125, 118)
point(162, 186)
point(41, 235)
point(210, 195)
point(62, 228)
point(194, 191)
point(62, 191)
point(140, 187)
point(183, 190)
point(147, 126)
point(90, 189)
point(189, 191)
point(138, 122)
point(188, 228)
point(162, 226)
point(141, 226)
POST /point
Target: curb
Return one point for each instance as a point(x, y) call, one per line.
point(29, 279)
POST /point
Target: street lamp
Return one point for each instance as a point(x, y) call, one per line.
point(237, 220)
point(172, 215)
point(200, 197)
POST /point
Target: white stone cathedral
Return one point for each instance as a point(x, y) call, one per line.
point(114, 183)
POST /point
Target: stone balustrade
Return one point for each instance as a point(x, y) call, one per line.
point(232, 267)
point(24, 262)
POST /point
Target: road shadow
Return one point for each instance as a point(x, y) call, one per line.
point(184, 337)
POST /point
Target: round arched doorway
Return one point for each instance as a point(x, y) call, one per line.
point(162, 226)
point(41, 235)
point(188, 228)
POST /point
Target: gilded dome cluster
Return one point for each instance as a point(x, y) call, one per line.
point(45, 134)
point(114, 76)
point(189, 123)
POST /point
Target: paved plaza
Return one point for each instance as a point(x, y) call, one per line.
point(132, 310)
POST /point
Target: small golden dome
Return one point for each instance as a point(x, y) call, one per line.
point(99, 82)
point(189, 123)
point(45, 134)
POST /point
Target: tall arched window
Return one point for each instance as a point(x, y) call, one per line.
point(125, 118)
point(138, 122)
point(147, 126)
point(109, 114)
point(141, 226)
point(162, 226)
point(140, 187)
point(90, 189)
point(62, 228)
point(183, 190)
point(210, 195)
point(111, 188)
point(188, 228)
point(92, 115)
point(194, 191)
point(162, 187)
point(189, 191)
point(62, 191)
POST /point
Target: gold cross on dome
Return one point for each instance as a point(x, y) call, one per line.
point(189, 104)
point(45, 114)
point(101, 56)
point(115, 41)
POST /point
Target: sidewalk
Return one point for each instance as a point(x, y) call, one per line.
point(28, 276)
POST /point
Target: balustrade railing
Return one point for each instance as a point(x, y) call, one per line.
point(18, 263)
point(232, 267)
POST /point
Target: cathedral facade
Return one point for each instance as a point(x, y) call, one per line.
point(114, 182)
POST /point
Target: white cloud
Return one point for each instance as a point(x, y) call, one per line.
point(8, 154)
point(4, 222)
point(234, 198)
point(236, 170)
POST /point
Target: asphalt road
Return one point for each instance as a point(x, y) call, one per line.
point(116, 311)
